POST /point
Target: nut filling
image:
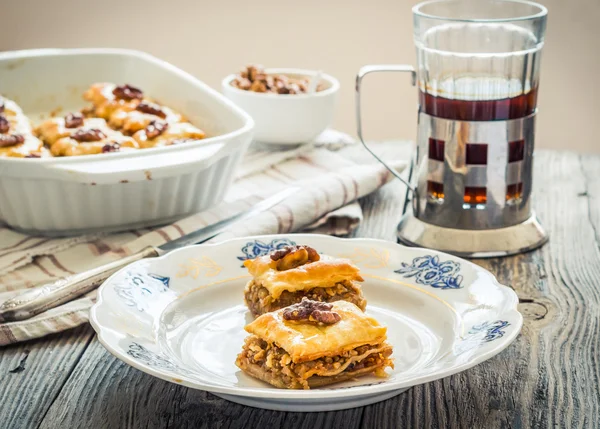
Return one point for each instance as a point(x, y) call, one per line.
point(276, 365)
point(260, 301)
point(307, 311)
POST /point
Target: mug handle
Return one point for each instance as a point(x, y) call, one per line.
point(365, 70)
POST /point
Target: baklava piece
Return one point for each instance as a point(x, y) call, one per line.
point(127, 109)
point(285, 276)
point(161, 133)
point(313, 344)
point(16, 133)
point(76, 135)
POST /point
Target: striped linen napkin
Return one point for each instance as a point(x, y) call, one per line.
point(329, 185)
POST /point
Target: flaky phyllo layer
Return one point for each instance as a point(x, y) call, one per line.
point(272, 364)
point(287, 275)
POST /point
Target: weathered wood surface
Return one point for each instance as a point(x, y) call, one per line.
point(548, 378)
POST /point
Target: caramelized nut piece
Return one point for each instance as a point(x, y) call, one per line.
point(294, 256)
point(155, 129)
point(308, 311)
point(128, 92)
point(4, 125)
point(292, 260)
point(111, 147)
point(11, 139)
point(73, 120)
point(88, 136)
point(151, 108)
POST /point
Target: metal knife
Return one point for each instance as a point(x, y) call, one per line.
point(37, 300)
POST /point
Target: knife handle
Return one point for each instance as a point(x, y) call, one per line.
point(39, 299)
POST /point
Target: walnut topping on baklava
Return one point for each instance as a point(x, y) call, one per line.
point(88, 135)
point(155, 129)
point(11, 139)
point(73, 120)
point(293, 256)
point(302, 355)
point(151, 109)
point(307, 311)
point(4, 125)
point(284, 277)
point(128, 92)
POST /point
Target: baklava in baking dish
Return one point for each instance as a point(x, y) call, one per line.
point(285, 276)
point(313, 344)
point(16, 133)
point(120, 118)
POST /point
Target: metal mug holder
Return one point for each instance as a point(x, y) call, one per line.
point(440, 214)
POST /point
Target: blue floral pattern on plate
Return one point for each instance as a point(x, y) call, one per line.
point(256, 248)
point(492, 330)
point(137, 287)
point(428, 270)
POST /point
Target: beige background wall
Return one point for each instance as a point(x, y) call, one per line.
point(211, 39)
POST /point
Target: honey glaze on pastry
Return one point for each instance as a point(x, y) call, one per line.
point(16, 133)
point(314, 344)
point(287, 275)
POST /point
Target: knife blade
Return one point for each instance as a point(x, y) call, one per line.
point(37, 300)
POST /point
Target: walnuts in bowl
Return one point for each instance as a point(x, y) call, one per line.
point(253, 78)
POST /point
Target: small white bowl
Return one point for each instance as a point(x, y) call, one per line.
point(287, 119)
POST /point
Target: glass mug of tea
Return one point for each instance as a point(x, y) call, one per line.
point(477, 75)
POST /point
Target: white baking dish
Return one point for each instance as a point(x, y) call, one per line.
point(115, 191)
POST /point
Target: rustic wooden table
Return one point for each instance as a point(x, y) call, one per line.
point(548, 377)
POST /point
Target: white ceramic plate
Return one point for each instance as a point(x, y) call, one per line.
point(180, 317)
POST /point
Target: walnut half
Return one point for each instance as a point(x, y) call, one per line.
point(4, 125)
point(294, 256)
point(308, 311)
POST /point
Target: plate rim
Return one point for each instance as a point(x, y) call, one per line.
point(269, 392)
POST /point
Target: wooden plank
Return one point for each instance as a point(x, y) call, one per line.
point(549, 376)
point(27, 393)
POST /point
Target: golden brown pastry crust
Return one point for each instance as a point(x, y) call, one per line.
point(305, 342)
point(323, 273)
